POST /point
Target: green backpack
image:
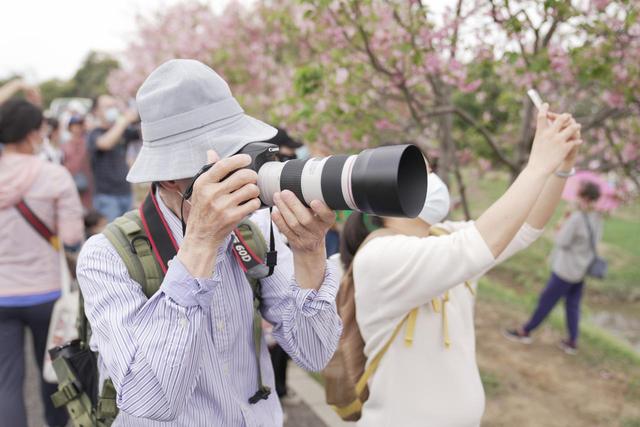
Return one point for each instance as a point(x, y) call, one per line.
point(76, 365)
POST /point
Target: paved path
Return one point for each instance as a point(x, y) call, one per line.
point(311, 412)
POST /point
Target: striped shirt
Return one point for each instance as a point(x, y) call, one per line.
point(186, 355)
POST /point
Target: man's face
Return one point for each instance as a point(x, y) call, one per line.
point(172, 192)
point(106, 106)
point(76, 129)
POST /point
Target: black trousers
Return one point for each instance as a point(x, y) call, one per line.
point(280, 359)
point(13, 321)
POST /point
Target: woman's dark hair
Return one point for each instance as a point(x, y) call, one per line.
point(17, 119)
point(53, 123)
point(589, 191)
point(355, 231)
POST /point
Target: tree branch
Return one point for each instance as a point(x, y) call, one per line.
point(487, 136)
point(625, 166)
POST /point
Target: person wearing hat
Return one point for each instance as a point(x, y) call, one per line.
point(286, 144)
point(186, 355)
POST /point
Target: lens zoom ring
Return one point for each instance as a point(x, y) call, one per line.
point(331, 182)
point(291, 178)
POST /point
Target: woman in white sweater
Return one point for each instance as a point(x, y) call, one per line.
point(401, 266)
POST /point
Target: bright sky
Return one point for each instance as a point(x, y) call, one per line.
point(42, 39)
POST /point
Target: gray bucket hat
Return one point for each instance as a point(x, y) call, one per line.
point(186, 108)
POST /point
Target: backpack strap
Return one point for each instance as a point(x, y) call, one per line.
point(356, 405)
point(130, 241)
point(126, 234)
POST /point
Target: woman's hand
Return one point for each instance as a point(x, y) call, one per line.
point(555, 141)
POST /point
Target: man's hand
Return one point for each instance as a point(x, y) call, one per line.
point(305, 230)
point(222, 197)
point(131, 116)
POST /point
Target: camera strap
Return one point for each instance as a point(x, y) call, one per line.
point(164, 248)
point(157, 231)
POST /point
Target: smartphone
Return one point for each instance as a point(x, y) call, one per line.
point(535, 98)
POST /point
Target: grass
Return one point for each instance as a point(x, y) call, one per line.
point(600, 346)
point(490, 382)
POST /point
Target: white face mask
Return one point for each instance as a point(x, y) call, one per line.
point(437, 204)
point(112, 114)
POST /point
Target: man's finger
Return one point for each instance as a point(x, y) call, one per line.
point(276, 216)
point(245, 209)
point(288, 216)
point(323, 211)
point(212, 156)
point(247, 192)
point(224, 167)
point(303, 215)
point(238, 179)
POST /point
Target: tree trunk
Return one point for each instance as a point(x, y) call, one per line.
point(448, 161)
point(526, 137)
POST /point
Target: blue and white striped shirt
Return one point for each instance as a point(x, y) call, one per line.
point(186, 355)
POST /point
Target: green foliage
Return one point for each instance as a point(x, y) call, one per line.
point(307, 80)
point(56, 88)
point(89, 81)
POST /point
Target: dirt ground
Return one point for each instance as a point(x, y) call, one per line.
point(538, 385)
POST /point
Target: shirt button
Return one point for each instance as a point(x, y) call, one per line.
point(225, 368)
point(184, 322)
point(220, 325)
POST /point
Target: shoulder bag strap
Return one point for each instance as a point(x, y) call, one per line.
point(592, 238)
point(37, 224)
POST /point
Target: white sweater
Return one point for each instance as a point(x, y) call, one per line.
point(425, 384)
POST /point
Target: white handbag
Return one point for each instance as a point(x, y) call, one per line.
point(62, 328)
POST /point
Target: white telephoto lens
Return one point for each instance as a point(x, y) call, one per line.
point(269, 181)
point(345, 181)
point(312, 179)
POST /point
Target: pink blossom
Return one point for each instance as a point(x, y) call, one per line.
point(470, 87)
point(601, 5)
point(341, 76)
point(614, 99)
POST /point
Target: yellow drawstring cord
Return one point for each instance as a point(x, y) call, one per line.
point(411, 326)
point(445, 322)
point(435, 303)
point(468, 285)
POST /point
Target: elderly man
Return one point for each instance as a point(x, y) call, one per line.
point(187, 354)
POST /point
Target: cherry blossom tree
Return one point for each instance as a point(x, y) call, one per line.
point(350, 74)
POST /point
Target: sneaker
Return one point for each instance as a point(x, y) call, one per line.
point(517, 335)
point(568, 347)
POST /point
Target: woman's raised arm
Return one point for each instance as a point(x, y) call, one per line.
point(551, 146)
